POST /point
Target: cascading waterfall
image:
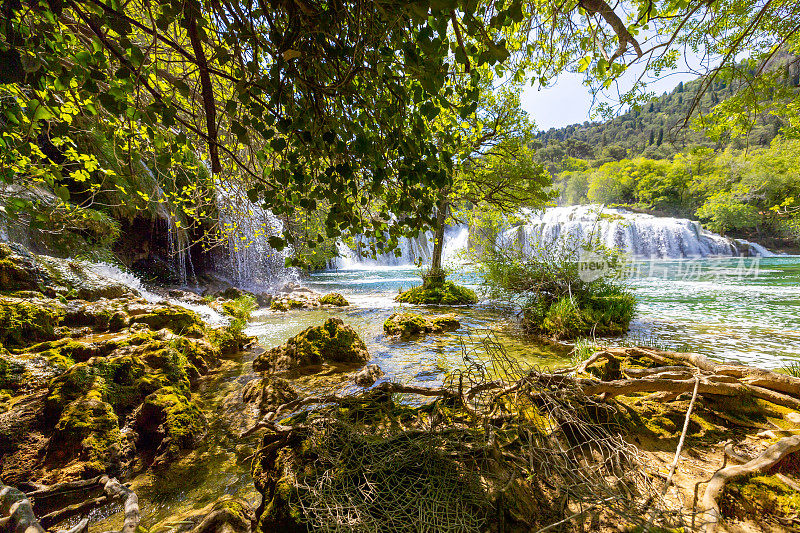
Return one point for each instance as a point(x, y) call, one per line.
point(412, 251)
point(244, 228)
point(639, 235)
point(113, 272)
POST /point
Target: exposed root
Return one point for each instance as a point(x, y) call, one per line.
point(17, 513)
point(771, 456)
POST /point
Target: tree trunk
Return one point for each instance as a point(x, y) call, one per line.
point(436, 274)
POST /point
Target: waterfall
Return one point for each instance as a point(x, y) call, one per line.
point(412, 251)
point(244, 227)
point(113, 272)
point(639, 235)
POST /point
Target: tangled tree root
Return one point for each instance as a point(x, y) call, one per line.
point(533, 449)
point(771, 456)
point(499, 444)
point(18, 515)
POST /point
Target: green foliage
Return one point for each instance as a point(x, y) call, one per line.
point(447, 293)
point(792, 369)
point(556, 301)
point(240, 310)
point(724, 211)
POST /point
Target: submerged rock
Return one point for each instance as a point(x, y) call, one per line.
point(332, 342)
point(368, 375)
point(269, 393)
point(410, 324)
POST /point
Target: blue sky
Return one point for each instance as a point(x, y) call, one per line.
point(568, 101)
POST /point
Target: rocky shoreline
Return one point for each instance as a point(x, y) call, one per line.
point(98, 384)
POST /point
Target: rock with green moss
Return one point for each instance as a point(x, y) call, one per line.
point(332, 342)
point(25, 321)
point(87, 432)
point(169, 421)
point(448, 293)
point(763, 498)
point(413, 324)
point(334, 299)
point(177, 319)
point(284, 304)
point(13, 374)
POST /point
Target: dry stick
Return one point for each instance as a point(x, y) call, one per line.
point(765, 461)
point(677, 451)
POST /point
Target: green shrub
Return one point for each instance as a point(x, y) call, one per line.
point(556, 301)
point(447, 294)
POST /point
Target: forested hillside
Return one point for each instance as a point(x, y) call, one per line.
point(675, 157)
point(656, 129)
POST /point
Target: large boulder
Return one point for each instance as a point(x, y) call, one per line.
point(332, 342)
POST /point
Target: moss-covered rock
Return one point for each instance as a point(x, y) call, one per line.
point(411, 324)
point(168, 422)
point(28, 321)
point(333, 341)
point(103, 315)
point(12, 373)
point(763, 498)
point(229, 341)
point(284, 304)
point(334, 299)
point(87, 431)
point(177, 319)
point(448, 293)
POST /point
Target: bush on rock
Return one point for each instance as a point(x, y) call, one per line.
point(448, 293)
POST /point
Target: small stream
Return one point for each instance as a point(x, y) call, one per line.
point(752, 318)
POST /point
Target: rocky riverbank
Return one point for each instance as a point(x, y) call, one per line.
point(98, 383)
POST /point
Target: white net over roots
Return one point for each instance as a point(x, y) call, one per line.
point(502, 445)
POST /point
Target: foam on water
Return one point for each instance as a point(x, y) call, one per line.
point(113, 272)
